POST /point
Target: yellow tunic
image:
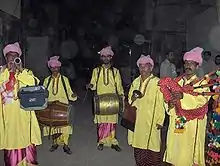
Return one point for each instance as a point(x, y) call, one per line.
point(150, 112)
point(106, 84)
point(61, 97)
point(21, 127)
point(1, 124)
point(184, 149)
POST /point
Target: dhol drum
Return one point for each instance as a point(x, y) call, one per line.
point(129, 117)
point(57, 114)
point(108, 104)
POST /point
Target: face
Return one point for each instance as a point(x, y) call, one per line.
point(11, 56)
point(106, 59)
point(170, 56)
point(55, 70)
point(217, 60)
point(190, 67)
point(145, 69)
point(206, 56)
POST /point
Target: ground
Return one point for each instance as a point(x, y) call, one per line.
point(83, 144)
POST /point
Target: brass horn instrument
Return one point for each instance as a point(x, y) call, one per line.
point(17, 61)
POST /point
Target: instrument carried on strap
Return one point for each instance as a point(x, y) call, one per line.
point(33, 98)
point(129, 115)
point(57, 114)
point(168, 86)
point(109, 103)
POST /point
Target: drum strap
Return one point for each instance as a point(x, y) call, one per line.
point(48, 83)
point(63, 82)
point(64, 86)
point(99, 71)
point(116, 89)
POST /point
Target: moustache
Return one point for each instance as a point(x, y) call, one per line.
point(188, 69)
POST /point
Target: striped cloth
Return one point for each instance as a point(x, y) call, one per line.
point(145, 157)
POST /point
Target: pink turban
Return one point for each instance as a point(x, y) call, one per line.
point(106, 51)
point(194, 55)
point(12, 48)
point(54, 62)
point(144, 60)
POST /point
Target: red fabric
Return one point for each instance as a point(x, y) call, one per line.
point(10, 84)
point(169, 85)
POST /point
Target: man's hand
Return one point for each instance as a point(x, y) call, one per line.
point(171, 104)
point(73, 95)
point(159, 127)
point(11, 67)
point(177, 95)
point(19, 67)
point(89, 86)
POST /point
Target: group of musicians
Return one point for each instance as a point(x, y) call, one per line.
point(184, 148)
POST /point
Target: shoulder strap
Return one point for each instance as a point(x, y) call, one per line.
point(64, 86)
point(99, 71)
point(116, 89)
point(48, 83)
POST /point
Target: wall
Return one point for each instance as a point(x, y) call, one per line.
point(12, 7)
point(201, 31)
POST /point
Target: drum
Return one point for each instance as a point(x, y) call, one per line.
point(129, 117)
point(57, 114)
point(108, 104)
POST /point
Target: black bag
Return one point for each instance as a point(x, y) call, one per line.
point(33, 97)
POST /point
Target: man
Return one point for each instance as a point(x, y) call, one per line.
point(208, 64)
point(106, 79)
point(186, 138)
point(59, 90)
point(146, 138)
point(21, 132)
point(217, 62)
point(167, 68)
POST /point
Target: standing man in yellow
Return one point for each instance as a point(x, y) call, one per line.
point(150, 115)
point(21, 132)
point(106, 79)
point(186, 134)
point(59, 90)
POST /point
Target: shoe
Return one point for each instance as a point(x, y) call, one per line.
point(100, 147)
point(116, 148)
point(67, 150)
point(54, 147)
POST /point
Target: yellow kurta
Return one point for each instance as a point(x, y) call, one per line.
point(106, 84)
point(1, 124)
point(184, 149)
point(150, 112)
point(61, 97)
point(21, 127)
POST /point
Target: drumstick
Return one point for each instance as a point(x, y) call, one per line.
point(85, 95)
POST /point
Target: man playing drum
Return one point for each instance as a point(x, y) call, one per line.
point(56, 84)
point(106, 80)
point(20, 132)
point(150, 115)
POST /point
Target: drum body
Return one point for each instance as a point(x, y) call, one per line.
point(129, 117)
point(108, 104)
point(55, 115)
